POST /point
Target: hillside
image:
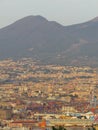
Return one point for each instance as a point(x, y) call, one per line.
point(50, 42)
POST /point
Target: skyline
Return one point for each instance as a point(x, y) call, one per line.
point(65, 12)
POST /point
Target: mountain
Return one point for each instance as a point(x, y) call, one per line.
point(50, 42)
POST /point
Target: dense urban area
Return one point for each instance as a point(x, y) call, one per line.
point(28, 89)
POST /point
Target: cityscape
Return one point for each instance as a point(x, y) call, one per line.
point(48, 64)
point(31, 92)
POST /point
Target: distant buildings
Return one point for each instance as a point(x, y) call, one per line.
point(5, 114)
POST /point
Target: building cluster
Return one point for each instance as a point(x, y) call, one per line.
point(27, 87)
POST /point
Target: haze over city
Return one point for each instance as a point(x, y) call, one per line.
point(65, 12)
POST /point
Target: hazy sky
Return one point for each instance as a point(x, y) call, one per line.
point(65, 12)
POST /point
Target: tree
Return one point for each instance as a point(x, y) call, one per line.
point(58, 128)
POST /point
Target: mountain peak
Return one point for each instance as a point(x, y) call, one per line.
point(33, 18)
point(39, 17)
point(29, 21)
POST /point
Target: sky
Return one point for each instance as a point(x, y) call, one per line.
point(65, 12)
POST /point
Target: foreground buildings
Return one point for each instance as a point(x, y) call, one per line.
point(28, 88)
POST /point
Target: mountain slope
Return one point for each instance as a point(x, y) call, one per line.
point(50, 42)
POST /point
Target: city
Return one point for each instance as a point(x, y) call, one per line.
point(32, 92)
point(48, 64)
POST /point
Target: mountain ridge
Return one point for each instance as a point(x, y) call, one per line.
point(50, 42)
